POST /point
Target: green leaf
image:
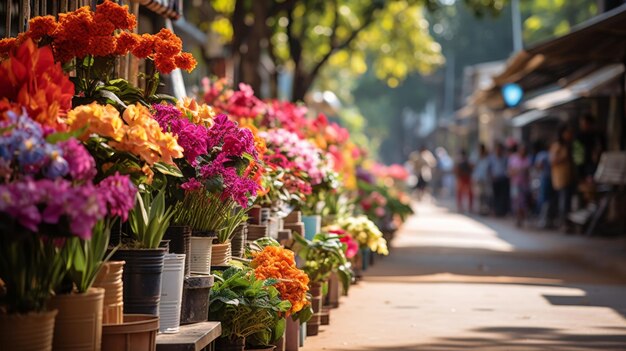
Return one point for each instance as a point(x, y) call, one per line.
point(168, 169)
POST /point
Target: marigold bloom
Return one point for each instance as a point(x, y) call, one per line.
point(145, 46)
point(164, 63)
point(102, 45)
point(117, 15)
point(6, 45)
point(42, 26)
point(125, 42)
point(185, 61)
point(72, 38)
point(167, 43)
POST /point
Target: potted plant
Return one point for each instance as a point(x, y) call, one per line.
point(222, 249)
point(144, 258)
point(245, 306)
point(367, 234)
point(322, 256)
point(271, 261)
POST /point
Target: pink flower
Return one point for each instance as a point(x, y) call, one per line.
point(352, 247)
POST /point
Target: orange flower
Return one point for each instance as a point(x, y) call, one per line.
point(164, 63)
point(42, 26)
point(97, 119)
point(198, 113)
point(102, 45)
point(145, 46)
point(279, 263)
point(6, 45)
point(185, 61)
point(102, 25)
point(117, 15)
point(125, 42)
point(167, 43)
point(72, 38)
point(31, 78)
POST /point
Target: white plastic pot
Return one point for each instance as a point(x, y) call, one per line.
point(201, 255)
point(171, 293)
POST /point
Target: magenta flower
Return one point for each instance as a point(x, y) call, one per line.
point(192, 138)
point(81, 165)
point(118, 192)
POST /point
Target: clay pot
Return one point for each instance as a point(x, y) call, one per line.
point(78, 326)
point(141, 279)
point(137, 333)
point(225, 344)
point(27, 332)
point(295, 227)
point(171, 293)
point(220, 254)
point(180, 242)
point(313, 325)
point(292, 335)
point(334, 291)
point(195, 303)
point(201, 255)
point(294, 217)
point(256, 232)
point(110, 279)
point(259, 215)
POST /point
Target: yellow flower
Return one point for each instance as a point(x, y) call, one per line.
point(202, 114)
point(96, 119)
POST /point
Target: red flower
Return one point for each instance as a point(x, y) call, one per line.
point(42, 26)
point(117, 15)
point(185, 61)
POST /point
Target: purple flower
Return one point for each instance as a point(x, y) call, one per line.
point(193, 138)
point(118, 193)
point(81, 165)
point(191, 185)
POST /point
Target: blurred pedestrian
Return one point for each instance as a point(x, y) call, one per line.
point(586, 151)
point(545, 198)
point(519, 173)
point(463, 174)
point(480, 178)
point(423, 161)
point(445, 165)
point(562, 170)
point(498, 167)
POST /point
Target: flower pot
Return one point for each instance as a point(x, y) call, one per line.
point(295, 227)
point(294, 217)
point(220, 254)
point(273, 227)
point(171, 293)
point(292, 335)
point(334, 291)
point(226, 344)
point(195, 302)
point(78, 325)
point(110, 279)
point(142, 279)
point(180, 242)
point(313, 325)
point(201, 255)
point(365, 257)
point(27, 332)
point(312, 225)
point(137, 333)
point(259, 215)
point(237, 243)
point(256, 232)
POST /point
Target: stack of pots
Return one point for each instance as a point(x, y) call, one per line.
point(197, 284)
point(220, 254)
point(122, 332)
point(257, 232)
point(313, 325)
point(294, 222)
point(237, 243)
point(171, 293)
point(180, 243)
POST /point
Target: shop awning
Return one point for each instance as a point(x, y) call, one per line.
point(591, 45)
point(528, 117)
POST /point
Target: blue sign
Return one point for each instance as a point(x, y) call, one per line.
point(512, 94)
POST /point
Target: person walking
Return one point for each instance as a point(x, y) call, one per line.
point(423, 162)
point(519, 172)
point(545, 199)
point(498, 167)
point(562, 171)
point(480, 178)
point(463, 174)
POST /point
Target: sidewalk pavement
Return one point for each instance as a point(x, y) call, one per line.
point(600, 252)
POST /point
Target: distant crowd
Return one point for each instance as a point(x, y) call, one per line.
point(531, 182)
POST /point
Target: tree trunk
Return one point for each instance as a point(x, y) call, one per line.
point(249, 42)
point(301, 84)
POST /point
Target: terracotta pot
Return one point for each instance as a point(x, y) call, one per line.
point(201, 255)
point(225, 344)
point(195, 303)
point(141, 279)
point(110, 279)
point(171, 293)
point(294, 217)
point(137, 333)
point(78, 325)
point(180, 242)
point(295, 227)
point(334, 291)
point(259, 215)
point(313, 325)
point(220, 254)
point(27, 332)
point(256, 232)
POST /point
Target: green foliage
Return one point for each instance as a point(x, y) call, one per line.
point(84, 258)
point(247, 307)
point(322, 256)
point(204, 211)
point(544, 19)
point(150, 218)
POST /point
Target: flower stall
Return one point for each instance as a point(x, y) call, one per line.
point(132, 220)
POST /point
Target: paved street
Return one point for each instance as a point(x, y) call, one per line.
point(454, 282)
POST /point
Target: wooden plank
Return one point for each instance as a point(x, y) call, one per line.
point(192, 337)
point(612, 168)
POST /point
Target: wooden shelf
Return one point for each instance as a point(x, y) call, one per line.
point(192, 337)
